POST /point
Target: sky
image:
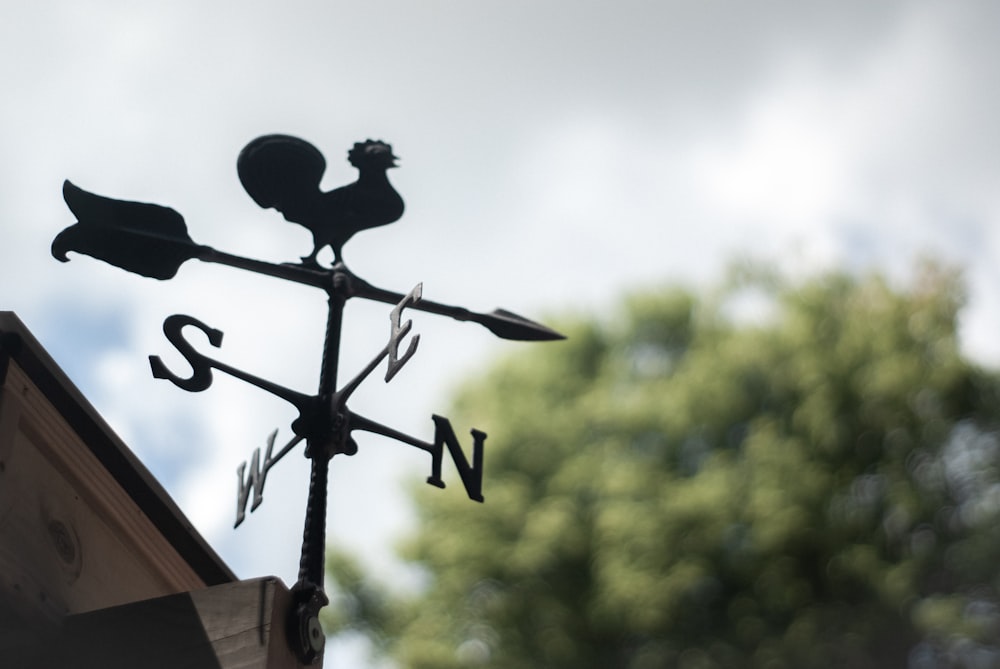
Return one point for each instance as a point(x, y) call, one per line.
point(554, 155)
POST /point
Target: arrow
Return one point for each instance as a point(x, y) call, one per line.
point(152, 240)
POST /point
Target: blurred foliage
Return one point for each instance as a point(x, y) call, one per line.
point(770, 474)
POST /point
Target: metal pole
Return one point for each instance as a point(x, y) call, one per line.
point(309, 591)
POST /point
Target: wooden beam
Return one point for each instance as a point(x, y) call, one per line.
point(233, 626)
point(71, 539)
point(76, 439)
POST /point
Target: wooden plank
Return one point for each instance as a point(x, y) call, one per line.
point(233, 626)
point(71, 540)
point(87, 532)
point(47, 380)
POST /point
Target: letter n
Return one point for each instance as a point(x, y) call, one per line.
point(472, 475)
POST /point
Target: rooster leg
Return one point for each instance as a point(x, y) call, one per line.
point(310, 260)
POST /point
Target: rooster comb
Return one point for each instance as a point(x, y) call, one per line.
point(371, 151)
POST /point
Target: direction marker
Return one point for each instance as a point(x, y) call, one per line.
point(284, 172)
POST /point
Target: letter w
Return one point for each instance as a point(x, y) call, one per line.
point(254, 479)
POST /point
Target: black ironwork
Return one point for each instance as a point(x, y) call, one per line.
point(284, 172)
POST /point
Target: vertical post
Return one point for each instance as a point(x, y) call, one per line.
point(319, 449)
point(308, 592)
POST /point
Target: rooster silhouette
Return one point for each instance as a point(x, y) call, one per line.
point(283, 172)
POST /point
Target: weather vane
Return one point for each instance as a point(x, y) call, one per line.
point(284, 172)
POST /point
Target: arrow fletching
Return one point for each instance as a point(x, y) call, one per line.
point(146, 239)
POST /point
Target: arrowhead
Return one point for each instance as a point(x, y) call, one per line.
point(508, 325)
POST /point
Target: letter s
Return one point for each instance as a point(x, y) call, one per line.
point(201, 377)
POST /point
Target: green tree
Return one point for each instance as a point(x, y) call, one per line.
point(684, 486)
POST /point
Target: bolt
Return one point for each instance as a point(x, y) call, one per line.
point(316, 638)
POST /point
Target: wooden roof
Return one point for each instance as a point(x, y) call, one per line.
point(83, 524)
